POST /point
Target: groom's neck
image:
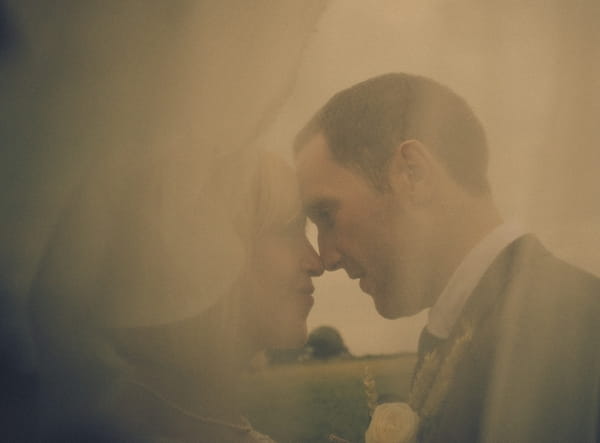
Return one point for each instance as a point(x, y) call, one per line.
point(463, 225)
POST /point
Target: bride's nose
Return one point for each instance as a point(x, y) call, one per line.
point(311, 262)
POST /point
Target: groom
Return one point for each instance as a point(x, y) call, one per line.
point(393, 172)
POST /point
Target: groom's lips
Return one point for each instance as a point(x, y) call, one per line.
point(365, 286)
point(361, 277)
point(354, 275)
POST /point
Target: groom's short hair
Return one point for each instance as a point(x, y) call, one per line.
point(364, 123)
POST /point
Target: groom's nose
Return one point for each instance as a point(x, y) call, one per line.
point(330, 256)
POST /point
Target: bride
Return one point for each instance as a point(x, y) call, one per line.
point(158, 290)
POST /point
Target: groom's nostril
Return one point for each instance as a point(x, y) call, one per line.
point(333, 265)
point(315, 266)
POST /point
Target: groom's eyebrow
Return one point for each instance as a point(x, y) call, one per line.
point(314, 207)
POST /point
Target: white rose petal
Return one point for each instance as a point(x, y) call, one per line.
point(393, 423)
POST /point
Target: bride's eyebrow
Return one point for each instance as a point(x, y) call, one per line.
point(297, 222)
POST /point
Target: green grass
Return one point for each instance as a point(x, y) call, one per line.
point(306, 402)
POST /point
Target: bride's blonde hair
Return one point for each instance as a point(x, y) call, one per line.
point(273, 200)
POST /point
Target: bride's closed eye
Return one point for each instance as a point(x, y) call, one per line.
point(293, 228)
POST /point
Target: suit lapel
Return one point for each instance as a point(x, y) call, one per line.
point(460, 410)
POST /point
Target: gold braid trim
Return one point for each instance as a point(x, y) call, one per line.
point(423, 380)
point(433, 380)
point(370, 391)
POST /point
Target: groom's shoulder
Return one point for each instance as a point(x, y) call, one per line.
point(546, 292)
point(538, 267)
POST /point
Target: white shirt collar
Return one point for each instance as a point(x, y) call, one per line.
point(447, 308)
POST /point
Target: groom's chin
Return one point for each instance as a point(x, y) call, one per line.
point(387, 313)
point(391, 307)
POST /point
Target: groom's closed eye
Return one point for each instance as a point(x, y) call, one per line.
point(322, 214)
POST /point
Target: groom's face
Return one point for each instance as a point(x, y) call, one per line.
point(366, 231)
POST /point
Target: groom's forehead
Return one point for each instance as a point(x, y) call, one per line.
point(323, 181)
point(314, 154)
point(317, 168)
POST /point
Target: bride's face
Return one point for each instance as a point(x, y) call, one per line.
point(282, 267)
point(277, 292)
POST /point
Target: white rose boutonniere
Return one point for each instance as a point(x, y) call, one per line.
point(393, 423)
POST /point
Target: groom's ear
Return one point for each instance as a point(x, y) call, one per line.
point(412, 172)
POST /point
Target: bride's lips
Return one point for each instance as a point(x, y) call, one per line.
point(307, 290)
point(305, 299)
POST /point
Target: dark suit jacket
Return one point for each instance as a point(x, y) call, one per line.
point(531, 372)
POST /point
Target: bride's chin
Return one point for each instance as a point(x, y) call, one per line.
point(293, 337)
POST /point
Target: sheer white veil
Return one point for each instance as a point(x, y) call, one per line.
point(128, 144)
point(132, 130)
